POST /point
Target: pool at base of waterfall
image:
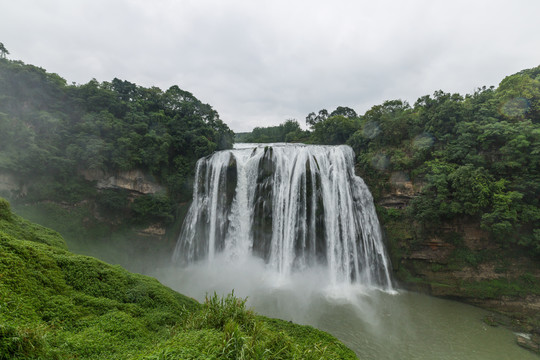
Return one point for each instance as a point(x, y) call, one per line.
point(375, 324)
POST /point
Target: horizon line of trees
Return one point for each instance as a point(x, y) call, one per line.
point(476, 156)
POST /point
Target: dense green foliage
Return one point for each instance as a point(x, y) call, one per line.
point(474, 156)
point(58, 305)
point(50, 131)
point(335, 130)
point(289, 131)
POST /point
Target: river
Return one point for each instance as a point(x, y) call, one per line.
point(375, 324)
point(293, 229)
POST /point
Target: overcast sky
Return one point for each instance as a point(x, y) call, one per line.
point(261, 62)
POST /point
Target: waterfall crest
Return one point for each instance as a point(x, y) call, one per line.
point(294, 206)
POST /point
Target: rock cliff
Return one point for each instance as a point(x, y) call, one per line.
point(133, 180)
point(460, 261)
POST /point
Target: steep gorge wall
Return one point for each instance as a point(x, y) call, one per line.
point(459, 261)
point(101, 223)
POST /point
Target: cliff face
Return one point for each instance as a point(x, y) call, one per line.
point(459, 261)
point(132, 180)
point(108, 220)
point(135, 181)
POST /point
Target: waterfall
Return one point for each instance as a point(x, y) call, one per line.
point(294, 206)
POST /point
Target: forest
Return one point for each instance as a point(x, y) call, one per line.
point(476, 155)
point(51, 130)
point(472, 158)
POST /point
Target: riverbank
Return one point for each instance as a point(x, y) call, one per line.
point(459, 262)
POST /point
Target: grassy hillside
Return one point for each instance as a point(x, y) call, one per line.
point(58, 305)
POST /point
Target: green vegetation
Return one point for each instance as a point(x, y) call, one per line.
point(58, 305)
point(475, 156)
point(52, 131)
point(54, 136)
point(289, 131)
point(496, 288)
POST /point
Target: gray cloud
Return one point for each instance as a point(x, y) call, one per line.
point(261, 62)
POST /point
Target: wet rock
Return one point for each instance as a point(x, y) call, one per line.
point(228, 181)
point(231, 180)
point(395, 201)
point(526, 342)
point(263, 205)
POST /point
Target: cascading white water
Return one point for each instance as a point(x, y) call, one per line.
point(295, 206)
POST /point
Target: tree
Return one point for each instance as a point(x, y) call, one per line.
point(519, 96)
point(389, 123)
point(313, 119)
point(344, 111)
point(440, 114)
point(288, 131)
point(3, 51)
point(334, 130)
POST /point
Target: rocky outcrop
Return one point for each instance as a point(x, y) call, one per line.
point(401, 191)
point(529, 342)
point(458, 260)
point(461, 263)
point(155, 230)
point(132, 180)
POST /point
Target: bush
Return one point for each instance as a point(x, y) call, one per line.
point(22, 343)
point(5, 210)
point(217, 311)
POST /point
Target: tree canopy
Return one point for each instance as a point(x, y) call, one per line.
point(475, 156)
point(51, 130)
point(288, 131)
point(3, 51)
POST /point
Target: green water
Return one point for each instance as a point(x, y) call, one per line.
point(375, 324)
point(402, 326)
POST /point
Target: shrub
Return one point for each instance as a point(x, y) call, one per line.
point(5, 210)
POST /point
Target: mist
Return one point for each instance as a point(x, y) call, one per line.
point(374, 323)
